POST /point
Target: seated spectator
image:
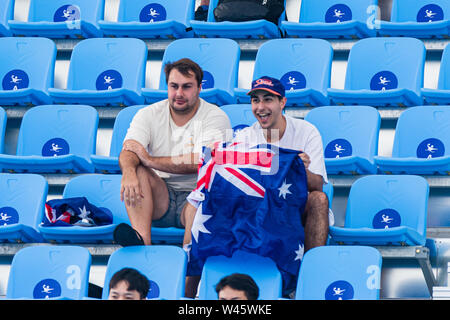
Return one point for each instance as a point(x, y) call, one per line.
point(128, 284)
point(201, 13)
point(237, 286)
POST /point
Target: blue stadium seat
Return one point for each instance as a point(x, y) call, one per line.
point(167, 19)
point(103, 191)
point(21, 206)
point(302, 65)
point(26, 70)
point(164, 266)
point(256, 29)
point(328, 189)
point(350, 137)
point(419, 18)
point(441, 95)
point(54, 138)
point(240, 115)
point(219, 60)
point(262, 269)
point(61, 19)
point(340, 273)
point(383, 72)
point(421, 143)
point(49, 272)
point(334, 19)
point(114, 75)
point(385, 210)
point(110, 164)
point(3, 119)
point(6, 13)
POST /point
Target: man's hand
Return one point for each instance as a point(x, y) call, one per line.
point(130, 189)
point(305, 158)
point(137, 149)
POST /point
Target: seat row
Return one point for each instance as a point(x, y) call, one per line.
point(63, 138)
point(174, 19)
point(61, 272)
point(380, 72)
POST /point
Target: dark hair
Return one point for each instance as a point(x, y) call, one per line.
point(185, 66)
point(136, 281)
point(241, 282)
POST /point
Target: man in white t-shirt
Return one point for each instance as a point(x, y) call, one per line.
point(159, 159)
point(268, 101)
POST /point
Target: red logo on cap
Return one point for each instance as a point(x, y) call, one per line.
point(267, 82)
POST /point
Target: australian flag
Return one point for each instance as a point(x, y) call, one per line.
point(76, 211)
point(250, 199)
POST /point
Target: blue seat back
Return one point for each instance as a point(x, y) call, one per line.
point(52, 130)
point(164, 266)
point(331, 11)
point(328, 189)
point(444, 70)
point(347, 130)
point(3, 119)
point(218, 58)
point(386, 63)
point(419, 10)
point(120, 128)
point(62, 10)
point(387, 201)
point(54, 271)
point(117, 63)
point(22, 199)
point(103, 191)
point(240, 115)
point(340, 273)
point(213, 4)
point(263, 270)
point(159, 10)
point(301, 63)
point(6, 12)
point(27, 63)
point(431, 140)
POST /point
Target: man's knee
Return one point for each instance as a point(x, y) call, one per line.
point(317, 198)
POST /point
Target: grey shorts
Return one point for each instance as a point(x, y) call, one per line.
point(172, 217)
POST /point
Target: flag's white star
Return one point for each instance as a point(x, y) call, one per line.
point(299, 253)
point(84, 213)
point(284, 189)
point(199, 223)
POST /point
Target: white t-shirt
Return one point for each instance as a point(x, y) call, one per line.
point(299, 135)
point(153, 128)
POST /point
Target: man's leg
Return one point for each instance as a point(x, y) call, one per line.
point(152, 206)
point(315, 220)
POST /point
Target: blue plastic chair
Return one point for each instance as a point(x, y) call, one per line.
point(383, 72)
point(240, 115)
point(3, 119)
point(420, 18)
point(441, 95)
point(49, 272)
point(262, 269)
point(164, 267)
point(167, 19)
point(219, 60)
point(303, 66)
point(350, 137)
point(421, 143)
point(21, 206)
point(110, 164)
point(6, 13)
point(334, 19)
point(103, 191)
point(340, 273)
point(61, 19)
point(385, 210)
point(114, 75)
point(256, 29)
point(54, 139)
point(26, 70)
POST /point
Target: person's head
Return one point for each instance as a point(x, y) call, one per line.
point(184, 80)
point(268, 101)
point(237, 286)
point(128, 284)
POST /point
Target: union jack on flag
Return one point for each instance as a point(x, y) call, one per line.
point(249, 198)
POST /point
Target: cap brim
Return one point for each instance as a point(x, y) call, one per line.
point(264, 89)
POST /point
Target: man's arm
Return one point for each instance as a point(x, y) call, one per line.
point(130, 190)
point(315, 181)
point(183, 164)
